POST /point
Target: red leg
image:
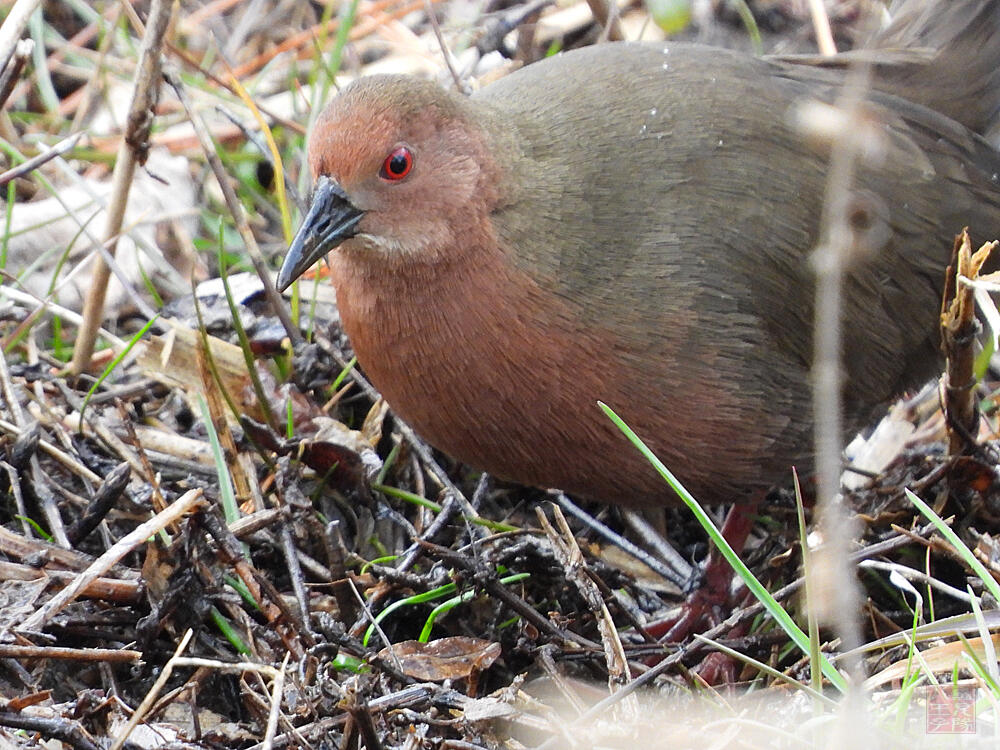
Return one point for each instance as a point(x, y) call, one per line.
point(713, 594)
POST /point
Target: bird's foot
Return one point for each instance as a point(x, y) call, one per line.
point(710, 602)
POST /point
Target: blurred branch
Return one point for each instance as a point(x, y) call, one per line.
point(36, 161)
point(606, 14)
point(13, 26)
point(132, 152)
point(13, 67)
point(821, 27)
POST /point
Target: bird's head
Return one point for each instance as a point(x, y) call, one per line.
point(403, 169)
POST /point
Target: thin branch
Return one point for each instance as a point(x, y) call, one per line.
point(131, 152)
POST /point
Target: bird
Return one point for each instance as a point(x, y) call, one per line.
point(632, 223)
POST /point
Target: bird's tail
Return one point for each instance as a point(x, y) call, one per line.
point(944, 54)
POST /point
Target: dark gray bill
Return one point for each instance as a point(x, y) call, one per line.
point(332, 218)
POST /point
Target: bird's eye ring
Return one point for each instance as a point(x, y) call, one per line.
point(397, 164)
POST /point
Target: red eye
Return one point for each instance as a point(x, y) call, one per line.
point(397, 164)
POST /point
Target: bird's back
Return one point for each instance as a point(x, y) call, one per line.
point(687, 187)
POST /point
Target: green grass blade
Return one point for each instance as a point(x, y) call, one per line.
point(772, 607)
